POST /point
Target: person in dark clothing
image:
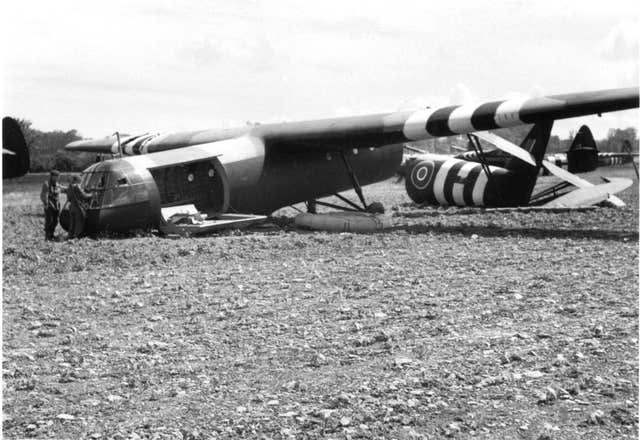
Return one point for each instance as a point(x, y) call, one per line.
point(77, 199)
point(50, 197)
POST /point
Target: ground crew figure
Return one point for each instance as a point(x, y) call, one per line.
point(50, 197)
point(77, 199)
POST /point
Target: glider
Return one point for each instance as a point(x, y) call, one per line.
point(583, 154)
point(15, 153)
point(259, 169)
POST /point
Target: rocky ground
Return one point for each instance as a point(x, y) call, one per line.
point(456, 323)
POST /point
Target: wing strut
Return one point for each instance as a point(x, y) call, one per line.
point(475, 144)
point(354, 180)
point(375, 208)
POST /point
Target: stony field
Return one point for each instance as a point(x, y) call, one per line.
point(455, 323)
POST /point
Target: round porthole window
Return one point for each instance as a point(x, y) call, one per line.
point(211, 173)
point(190, 177)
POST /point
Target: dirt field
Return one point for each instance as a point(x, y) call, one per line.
point(455, 323)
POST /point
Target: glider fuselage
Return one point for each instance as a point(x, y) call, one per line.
point(128, 195)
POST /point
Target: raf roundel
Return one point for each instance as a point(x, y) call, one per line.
point(422, 174)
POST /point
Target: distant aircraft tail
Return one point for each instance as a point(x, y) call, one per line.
point(583, 152)
point(15, 153)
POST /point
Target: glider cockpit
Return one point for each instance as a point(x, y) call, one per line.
point(126, 197)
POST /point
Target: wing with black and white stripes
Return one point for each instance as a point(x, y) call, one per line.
point(388, 128)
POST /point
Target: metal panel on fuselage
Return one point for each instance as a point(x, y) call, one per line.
point(291, 177)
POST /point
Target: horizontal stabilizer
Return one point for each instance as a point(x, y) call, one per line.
point(590, 195)
point(566, 175)
point(577, 181)
point(507, 147)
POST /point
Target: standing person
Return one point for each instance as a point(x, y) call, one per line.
point(50, 197)
point(77, 199)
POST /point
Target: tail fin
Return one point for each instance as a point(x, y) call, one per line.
point(536, 144)
point(15, 153)
point(525, 175)
point(583, 152)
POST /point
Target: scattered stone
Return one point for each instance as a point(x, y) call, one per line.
point(551, 394)
point(560, 361)
point(25, 385)
point(402, 361)
point(318, 359)
point(292, 385)
point(345, 421)
point(596, 418)
point(273, 402)
point(535, 374)
point(45, 333)
point(26, 356)
point(598, 331)
point(412, 403)
point(564, 394)
point(541, 397)
point(381, 337)
point(546, 396)
point(623, 416)
point(341, 401)
point(65, 417)
point(323, 414)
point(289, 414)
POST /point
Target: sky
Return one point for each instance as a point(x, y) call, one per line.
point(140, 66)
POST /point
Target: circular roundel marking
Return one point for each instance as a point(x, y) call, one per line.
point(422, 174)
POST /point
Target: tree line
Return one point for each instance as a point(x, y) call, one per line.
point(47, 147)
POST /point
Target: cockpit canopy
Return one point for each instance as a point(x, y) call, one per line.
point(112, 183)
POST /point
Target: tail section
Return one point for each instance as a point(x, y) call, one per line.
point(536, 144)
point(525, 175)
point(15, 153)
point(583, 152)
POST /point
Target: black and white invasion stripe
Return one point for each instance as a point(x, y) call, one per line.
point(451, 182)
point(449, 121)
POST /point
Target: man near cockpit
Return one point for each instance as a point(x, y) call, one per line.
point(77, 199)
point(50, 197)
